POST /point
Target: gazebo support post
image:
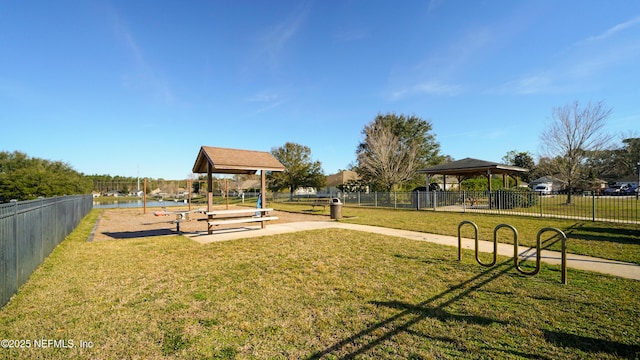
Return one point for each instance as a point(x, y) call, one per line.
point(489, 181)
point(209, 188)
point(263, 203)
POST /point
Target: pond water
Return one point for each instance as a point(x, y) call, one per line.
point(137, 203)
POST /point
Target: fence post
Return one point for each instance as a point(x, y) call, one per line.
point(593, 206)
point(375, 198)
point(417, 199)
point(395, 200)
point(464, 201)
point(15, 241)
point(435, 200)
point(540, 201)
point(41, 209)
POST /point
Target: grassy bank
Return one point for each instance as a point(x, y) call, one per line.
point(318, 294)
point(599, 239)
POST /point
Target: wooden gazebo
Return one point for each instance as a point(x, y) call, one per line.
point(468, 168)
point(216, 160)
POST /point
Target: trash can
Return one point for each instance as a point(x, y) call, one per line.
point(336, 209)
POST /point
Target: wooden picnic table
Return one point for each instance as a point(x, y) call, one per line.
point(237, 216)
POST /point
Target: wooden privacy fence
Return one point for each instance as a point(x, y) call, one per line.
point(29, 231)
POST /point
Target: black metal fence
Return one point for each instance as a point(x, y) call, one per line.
point(587, 206)
point(29, 231)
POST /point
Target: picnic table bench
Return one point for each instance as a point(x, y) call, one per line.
point(237, 216)
point(181, 215)
point(320, 202)
point(473, 201)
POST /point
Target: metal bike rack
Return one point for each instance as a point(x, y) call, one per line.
point(516, 259)
point(475, 228)
point(563, 266)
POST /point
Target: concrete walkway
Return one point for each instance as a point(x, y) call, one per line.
point(610, 267)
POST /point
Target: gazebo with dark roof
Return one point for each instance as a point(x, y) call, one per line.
point(216, 160)
point(468, 168)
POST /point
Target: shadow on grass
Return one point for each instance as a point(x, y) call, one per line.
point(610, 234)
point(592, 345)
point(434, 308)
point(138, 234)
point(421, 311)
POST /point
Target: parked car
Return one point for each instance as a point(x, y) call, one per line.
point(542, 189)
point(612, 190)
point(620, 190)
point(631, 190)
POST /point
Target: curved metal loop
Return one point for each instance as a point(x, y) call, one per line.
point(475, 228)
point(516, 260)
point(515, 237)
point(495, 246)
point(564, 250)
point(495, 251)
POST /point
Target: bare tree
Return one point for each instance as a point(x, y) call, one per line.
point(385, 158)
point(575, 131)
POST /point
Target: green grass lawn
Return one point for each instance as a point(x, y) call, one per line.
point(317, 294)
point(613, 241)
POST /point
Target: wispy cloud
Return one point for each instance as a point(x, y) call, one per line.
point(439, 71)
point(270, 106)
point(615, 29)
point(266, 100)
point(433, 5)
point(581, 66)
point(145, 77)
point(542, 82)
point(350, 35)
point(263, 97)
point(429, 88)
point(276, 38)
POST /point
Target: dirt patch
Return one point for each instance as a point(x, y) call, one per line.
point(132, 223)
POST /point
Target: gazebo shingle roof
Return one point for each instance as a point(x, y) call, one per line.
point(470, 166)
point(235, 161)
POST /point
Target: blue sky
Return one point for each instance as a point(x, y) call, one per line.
point(136, 87)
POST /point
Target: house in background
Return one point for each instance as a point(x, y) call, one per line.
point(554, 183)
point(336, 181)
point(248, 186)
point(114, 193)
point(305, 191)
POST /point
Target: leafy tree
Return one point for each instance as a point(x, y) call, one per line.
point(521, 159)
point(479, 183)
point(628, 157)
point(575, 131)
point(616, 163)
point(394, 146)
point(300, 169)
point(26, 178)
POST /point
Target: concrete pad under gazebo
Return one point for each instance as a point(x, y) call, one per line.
point(215, 160)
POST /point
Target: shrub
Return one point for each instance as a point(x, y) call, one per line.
point(514, 198)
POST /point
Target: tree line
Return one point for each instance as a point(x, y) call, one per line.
point(26, 178)
point(576, 150)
